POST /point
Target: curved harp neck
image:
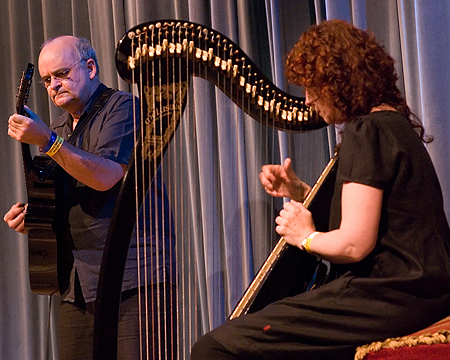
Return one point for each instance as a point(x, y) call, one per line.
point(206, 53)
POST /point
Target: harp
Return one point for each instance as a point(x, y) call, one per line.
point(162, 58)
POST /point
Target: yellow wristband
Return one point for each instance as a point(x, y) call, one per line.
point(56, 146)
point(306, 243)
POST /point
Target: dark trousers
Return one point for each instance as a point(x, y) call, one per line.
point(207, 348)
point(76, 326)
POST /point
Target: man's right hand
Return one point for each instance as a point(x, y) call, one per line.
point(15, 217)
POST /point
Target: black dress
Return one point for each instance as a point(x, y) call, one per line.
point(401, 287)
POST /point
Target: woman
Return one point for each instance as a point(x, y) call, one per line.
point(389, 239)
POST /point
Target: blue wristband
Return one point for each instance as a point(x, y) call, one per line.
point(50, 143)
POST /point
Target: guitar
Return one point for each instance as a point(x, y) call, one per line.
point(39, 214)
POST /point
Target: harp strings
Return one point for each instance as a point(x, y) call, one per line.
point(159, 90)
point(159, 86)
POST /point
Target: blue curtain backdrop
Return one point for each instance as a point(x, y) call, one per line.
point(225, 227)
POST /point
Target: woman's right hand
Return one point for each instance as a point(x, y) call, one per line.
point(281, 181)
point(15, 217)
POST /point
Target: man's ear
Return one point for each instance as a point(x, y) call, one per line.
point(92, 69)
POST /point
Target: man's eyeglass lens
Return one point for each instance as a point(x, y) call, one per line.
point(59, 75)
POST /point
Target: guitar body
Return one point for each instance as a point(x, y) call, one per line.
point(42, 254)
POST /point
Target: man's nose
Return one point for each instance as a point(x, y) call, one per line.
point(55, 82)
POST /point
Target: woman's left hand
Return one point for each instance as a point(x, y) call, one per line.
point(294, 223)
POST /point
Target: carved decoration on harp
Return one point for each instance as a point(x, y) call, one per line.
point(159, 108)
point(166, 55)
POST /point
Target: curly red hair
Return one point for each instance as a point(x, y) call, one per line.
point(351, 66)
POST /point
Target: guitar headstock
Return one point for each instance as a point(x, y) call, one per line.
point(24, 88)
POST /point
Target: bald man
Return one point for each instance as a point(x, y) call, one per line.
point(86, 185)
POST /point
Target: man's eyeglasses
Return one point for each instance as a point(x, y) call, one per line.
point(59, 75)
